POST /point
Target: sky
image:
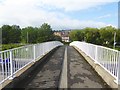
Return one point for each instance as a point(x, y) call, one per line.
point(60, 14)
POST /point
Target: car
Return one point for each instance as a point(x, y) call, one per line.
point(5, 61)
point(6, 64)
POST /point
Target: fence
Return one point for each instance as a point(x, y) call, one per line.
point(13, 60)
point(108, 58)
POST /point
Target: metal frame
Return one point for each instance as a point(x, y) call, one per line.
point(13, 60)
point(108, 58)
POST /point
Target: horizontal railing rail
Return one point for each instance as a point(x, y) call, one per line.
point(108, 58)
point(13, 60)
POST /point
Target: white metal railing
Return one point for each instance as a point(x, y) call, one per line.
point(108, 58)
point(13, 60)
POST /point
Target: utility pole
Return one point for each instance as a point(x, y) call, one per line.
point(27, 38)
point(114, 40)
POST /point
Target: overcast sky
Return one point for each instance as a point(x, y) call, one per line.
point(60, 14)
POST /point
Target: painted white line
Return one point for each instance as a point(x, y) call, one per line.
point(63, 79)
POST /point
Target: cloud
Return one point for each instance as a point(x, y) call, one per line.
point(105, 16)
point(75, 5)
point(32, 13)
point(67, 23)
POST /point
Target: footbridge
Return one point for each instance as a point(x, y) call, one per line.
point(57, 66)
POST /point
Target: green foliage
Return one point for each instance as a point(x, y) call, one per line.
point(14, 34)
point(66, 43)
point(37, 35)
point(107, 35)
point(11, 34)
point(118, 36)
point(92, 35)
point(77, 35)
point(29, 33)
point(103, 36)
point(57, 38)
point(45, 33)
point(10, 46)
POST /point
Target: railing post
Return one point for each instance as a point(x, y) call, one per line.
point(11, 65)
point(34, 52)
point(96, 54)
point(43, 46)
point(119, 68)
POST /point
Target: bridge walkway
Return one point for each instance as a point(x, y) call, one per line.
point(79, 73)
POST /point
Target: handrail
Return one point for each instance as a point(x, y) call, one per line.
point(13, 60)
point(108, 58)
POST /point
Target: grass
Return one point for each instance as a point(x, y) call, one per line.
point(117, 48)
point(10, 46)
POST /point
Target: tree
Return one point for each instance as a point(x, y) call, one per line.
point(11, 34)
point(5, 34)
point(37, 35)
point(15, 34)
point(57, 38)
point(45, 33)
point(29, 35)
point(92, 35)
point(118, 36)
point(107, 35)
point(77, 35)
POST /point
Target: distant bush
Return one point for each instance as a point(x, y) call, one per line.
point(117, 48)
point(66, 43)
point(10, 46)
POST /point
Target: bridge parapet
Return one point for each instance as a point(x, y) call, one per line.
point(107, 58)
point(14, 60)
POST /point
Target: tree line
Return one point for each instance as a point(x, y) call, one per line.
point(15, 34)
point(103, 36)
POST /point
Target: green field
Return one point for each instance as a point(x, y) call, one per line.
point(10, 46)
point(117, 48)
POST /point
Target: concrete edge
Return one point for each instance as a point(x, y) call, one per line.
point(20, 75)
point(63, 77)
point(108, 78)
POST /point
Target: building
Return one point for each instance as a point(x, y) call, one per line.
point(57, 33)
point(64, 34)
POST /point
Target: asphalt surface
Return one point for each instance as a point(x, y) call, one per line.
point(80, 73)
point(49, 75)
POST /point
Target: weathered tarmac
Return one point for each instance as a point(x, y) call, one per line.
point(80, 73)
point(49, 75)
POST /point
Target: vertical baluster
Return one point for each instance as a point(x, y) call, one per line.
point(96, 54)
point(114, 63)
point(34, 52)
point(119, 69)
point(13, 55)
point(20, 62)
point(5, 65)
point(8, 56)
point(3, 70)
point(11, 64)
point(17, 59)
